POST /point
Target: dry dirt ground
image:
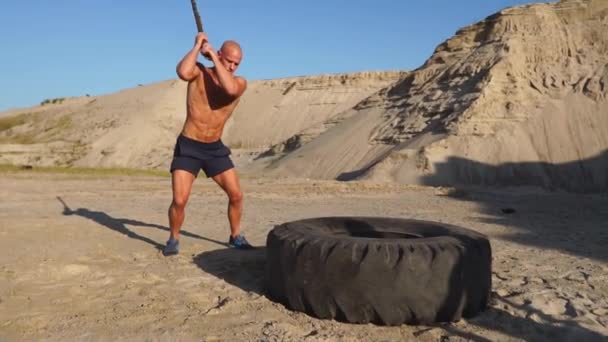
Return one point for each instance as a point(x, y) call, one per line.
point(81, 260)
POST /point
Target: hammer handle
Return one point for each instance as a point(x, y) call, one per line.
point(197, 17)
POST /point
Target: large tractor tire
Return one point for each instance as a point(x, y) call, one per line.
point(386, 271)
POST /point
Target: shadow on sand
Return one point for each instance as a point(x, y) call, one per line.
point(565, 222)
point(246, 270)
point(241, 268)
point(525, 328)
point(580, 176)
point(120, 224)
point(574, 223)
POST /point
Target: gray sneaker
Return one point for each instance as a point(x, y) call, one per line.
point(171, 248)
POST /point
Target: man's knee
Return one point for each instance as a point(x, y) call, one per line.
point(235, 196)
point(179, 202)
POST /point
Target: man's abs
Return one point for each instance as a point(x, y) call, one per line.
point(203, 130)
point(208, 109)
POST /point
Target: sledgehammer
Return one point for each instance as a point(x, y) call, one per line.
point(197, 17)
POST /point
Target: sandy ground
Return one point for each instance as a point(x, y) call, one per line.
point(81, 261)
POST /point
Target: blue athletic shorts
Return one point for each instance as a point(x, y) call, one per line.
point(192, 155)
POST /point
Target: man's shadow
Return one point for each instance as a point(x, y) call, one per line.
point(119, 225)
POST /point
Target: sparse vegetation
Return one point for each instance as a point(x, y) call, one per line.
point(63, 123)
point(23, 139)
point(13, 121)
point(85, 171)
point(40, 130)
point(52, 101)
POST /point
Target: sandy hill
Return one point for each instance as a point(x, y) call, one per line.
point(137, 127)
point(516, 99)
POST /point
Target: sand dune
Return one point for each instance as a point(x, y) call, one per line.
point(526, 87)
point(137, 127)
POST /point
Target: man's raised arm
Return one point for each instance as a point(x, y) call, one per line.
point(187, 69)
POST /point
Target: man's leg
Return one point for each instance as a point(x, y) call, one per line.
point(229, 182)
point(182, 185)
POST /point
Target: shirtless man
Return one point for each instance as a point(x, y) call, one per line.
point(213, 94)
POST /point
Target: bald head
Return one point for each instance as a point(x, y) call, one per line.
point(230, 46)
point(231, 55)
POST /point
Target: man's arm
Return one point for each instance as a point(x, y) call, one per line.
point(234, 86)
point(187, 69)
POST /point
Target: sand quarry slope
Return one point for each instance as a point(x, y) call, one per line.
point(516, 99)
point(519, 98)
point(137, 127)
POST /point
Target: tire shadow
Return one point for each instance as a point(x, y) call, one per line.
point(244, 269)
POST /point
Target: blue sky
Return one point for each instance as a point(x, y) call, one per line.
point(62, 48)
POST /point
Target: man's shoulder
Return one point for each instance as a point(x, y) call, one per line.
point(243, 84)
point(241, 80)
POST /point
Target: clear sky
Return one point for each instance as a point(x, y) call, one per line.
point(60, 48)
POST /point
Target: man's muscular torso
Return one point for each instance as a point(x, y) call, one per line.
point(208, 107)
